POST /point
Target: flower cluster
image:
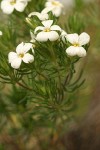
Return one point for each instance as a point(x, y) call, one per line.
point(47, 30)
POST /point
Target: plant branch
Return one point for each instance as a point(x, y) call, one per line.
point(28, 88)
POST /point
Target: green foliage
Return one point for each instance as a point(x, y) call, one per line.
point(79, 5)
point(76, 23)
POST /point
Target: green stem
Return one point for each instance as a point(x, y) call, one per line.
point(59, 76)
point(41, 74)
point(20, 84)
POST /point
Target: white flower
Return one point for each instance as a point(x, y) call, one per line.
point(47, 31)
point(42, 16)
point(54, 6)
point(77, 42)
point(1, 33)
point(8, 6)
point(16, 58)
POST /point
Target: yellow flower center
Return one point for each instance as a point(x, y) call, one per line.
point(76, 44)
point(47, 30)
point(21, 55)
point(12, 2)
point(55, 3)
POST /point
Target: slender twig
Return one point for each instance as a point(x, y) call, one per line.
point(28, 88)
point(41, 74)
point(67, 79)
point(59, 76)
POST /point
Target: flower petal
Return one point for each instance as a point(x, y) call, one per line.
point(19, 48)
point(1, 33)
point(38, 28)
point(42, 36)
point(72, 38)
point(76, 51)
point(47, 23)
point(55, 27)
point(56, 3)
point(57, 11)
point(45, 36)
point(72, 51)
point(53, 35)
point(7, 7)
point(44, 16)
point(48, 4)
point(28, 58)
point(41, 16)
point(34, 14)
point(55, 7)
point(16, 63)
point(63, 33)
point(84, 38)
point(47, 9)
point(27, 47)
point(12, 56)
point(20, 5)
point(81, 52)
